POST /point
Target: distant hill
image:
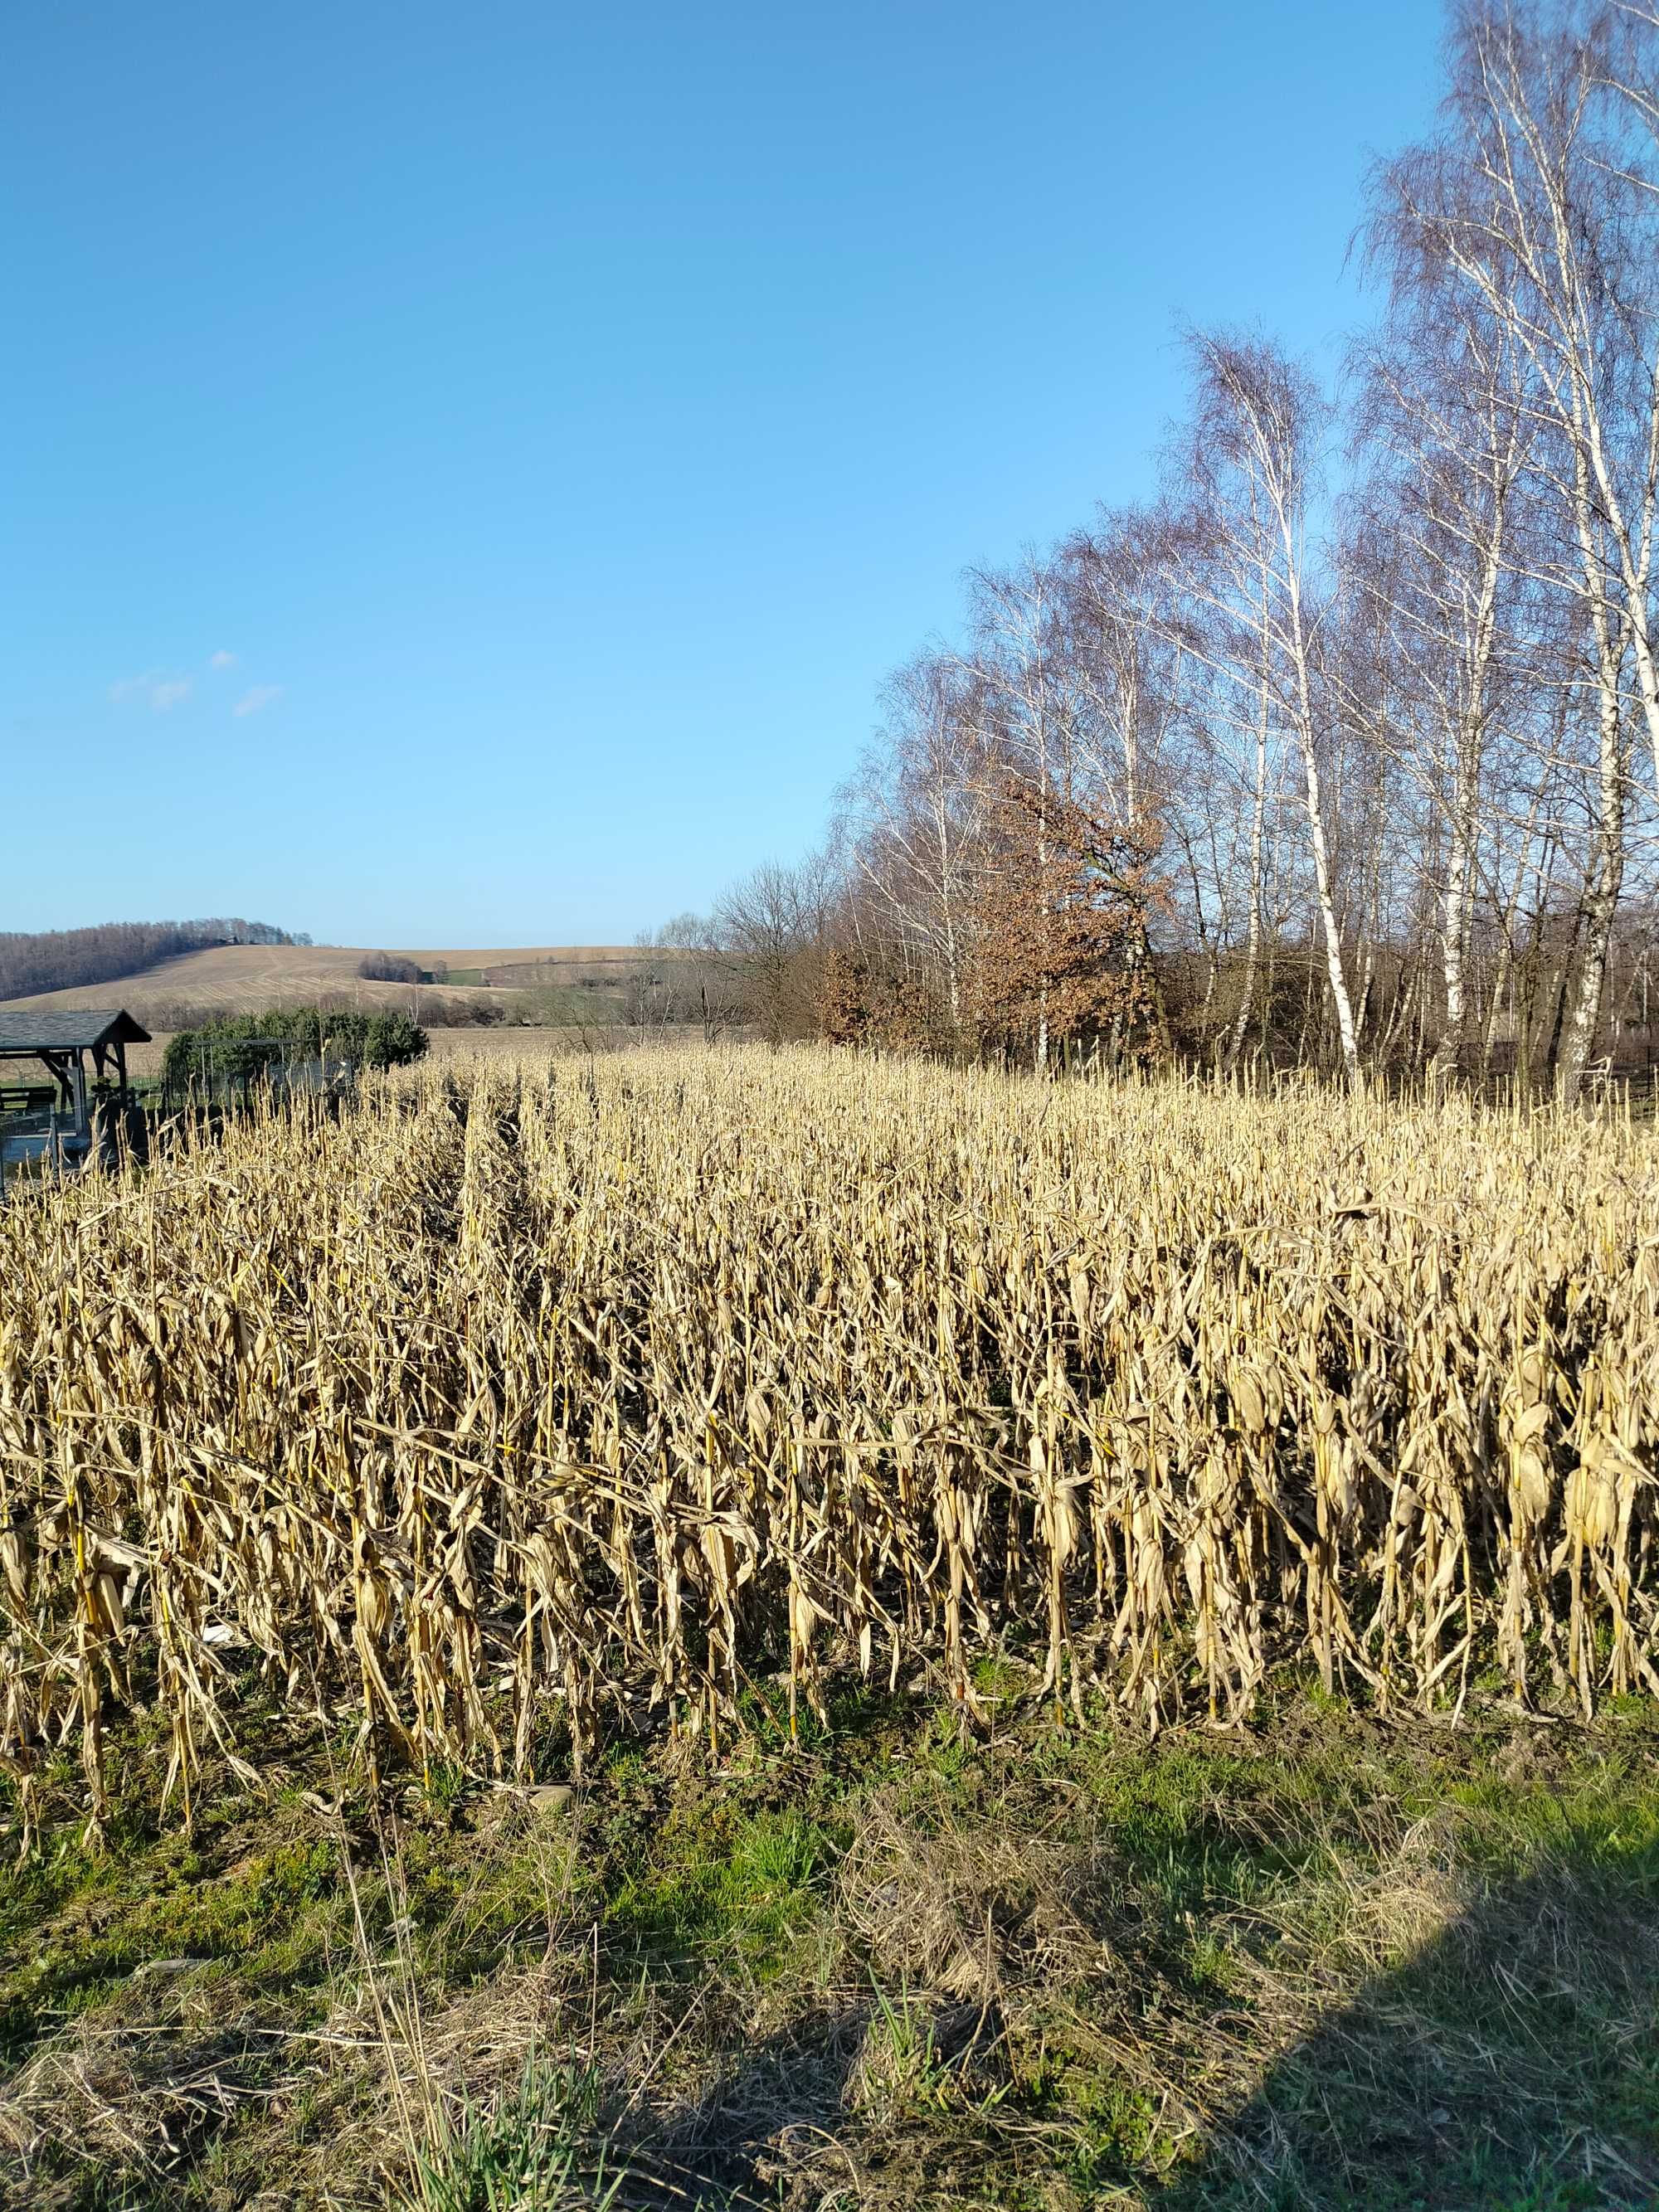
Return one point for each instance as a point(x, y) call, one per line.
point(248, 978)
point(33, 961)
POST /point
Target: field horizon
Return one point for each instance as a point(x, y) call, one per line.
point(244, 979)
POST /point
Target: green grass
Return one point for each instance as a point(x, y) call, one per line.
point(1340, 1962)
point(744, 1882)
point(536, 2148)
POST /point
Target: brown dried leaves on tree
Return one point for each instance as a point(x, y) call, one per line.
point(859, 1004)
point(1060, 941)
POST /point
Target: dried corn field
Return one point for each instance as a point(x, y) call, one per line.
point(525, 1402)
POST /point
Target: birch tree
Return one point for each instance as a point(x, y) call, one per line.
point(1534, 206)
point(1259, 421)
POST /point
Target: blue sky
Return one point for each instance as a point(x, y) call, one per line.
point(470, 467)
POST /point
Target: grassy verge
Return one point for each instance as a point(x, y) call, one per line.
point(1335, 1962)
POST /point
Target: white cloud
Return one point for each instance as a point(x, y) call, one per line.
point(222, 659)
point(253, 701)
point(161, 690)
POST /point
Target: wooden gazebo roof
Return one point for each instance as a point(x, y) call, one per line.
point(68, 1029)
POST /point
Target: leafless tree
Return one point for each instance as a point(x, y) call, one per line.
point(912, 819)
point(1260, 423)
point(772, 927)
point(1535, 205)
point(1355, 704)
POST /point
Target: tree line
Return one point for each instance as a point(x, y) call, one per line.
point(68, 959)
point(1342, 750)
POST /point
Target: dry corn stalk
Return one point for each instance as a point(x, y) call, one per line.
point(525, 1398)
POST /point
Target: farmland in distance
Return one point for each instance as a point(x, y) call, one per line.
point(248, 979)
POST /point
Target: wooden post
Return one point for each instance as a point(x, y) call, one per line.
point(57, 1068)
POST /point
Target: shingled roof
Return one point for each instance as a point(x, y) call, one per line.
point(68, 1029)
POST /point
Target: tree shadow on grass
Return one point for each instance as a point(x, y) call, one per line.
point(786, 2098)
point(1510, 2065)
point(866, 2101)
